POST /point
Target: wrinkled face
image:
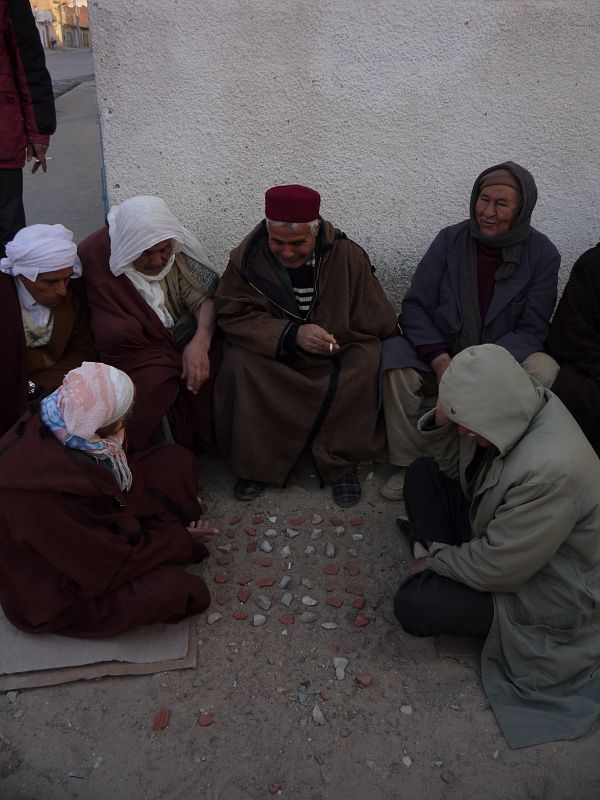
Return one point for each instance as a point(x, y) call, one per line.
point(479, 439)
point(496, 209)
point(51, 288)
point(154, 259)
point(292, 247)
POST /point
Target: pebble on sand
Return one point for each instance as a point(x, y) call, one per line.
point(317, 716)
point(307, 600)
point(162, 719)
point(213, 617)
point(364, 680)
point(316, 519)
point(244, 595)
point(360, 621)
point(241, 615)
point(258, 620)
point(335, 602)
point(308, 616)
point(287, 618)
point(205, 720)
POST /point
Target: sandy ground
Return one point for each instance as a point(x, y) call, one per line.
point(421, 729)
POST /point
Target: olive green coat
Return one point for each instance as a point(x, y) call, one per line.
point(535, 516)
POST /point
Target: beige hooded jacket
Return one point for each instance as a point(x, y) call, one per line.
point(535, 516)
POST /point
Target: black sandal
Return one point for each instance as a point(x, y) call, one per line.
point(248, 490)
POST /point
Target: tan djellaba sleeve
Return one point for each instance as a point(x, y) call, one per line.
point(186, 286)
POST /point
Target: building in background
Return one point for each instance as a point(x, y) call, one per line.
point(61, 23)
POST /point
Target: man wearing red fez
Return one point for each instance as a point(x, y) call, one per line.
point(303, 317)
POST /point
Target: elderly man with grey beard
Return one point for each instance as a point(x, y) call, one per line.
point(491, 278)
point(303, 317)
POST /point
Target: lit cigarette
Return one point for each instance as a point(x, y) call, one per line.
point(331, 347)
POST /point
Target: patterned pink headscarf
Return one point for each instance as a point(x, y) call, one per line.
point(91, 397)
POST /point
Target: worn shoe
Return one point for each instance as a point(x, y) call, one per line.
point(248, 490)
point(417, 548)
point(393, 488)
point(346, 492)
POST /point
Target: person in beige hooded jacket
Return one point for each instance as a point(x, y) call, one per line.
point(510, 515)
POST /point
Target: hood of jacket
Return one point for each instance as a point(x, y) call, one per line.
point(485, 390)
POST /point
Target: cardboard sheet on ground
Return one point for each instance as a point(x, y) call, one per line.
point(45, 660)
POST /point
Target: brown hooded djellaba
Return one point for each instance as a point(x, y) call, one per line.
point(80, 557)
point(271, 406)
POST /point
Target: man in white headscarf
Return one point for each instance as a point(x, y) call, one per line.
point(53, 334)
point(150, 287)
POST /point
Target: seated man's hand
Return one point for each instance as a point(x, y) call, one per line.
point(440, 364)
point(418, 565)
point(201, 531)
point(316, 340)
point(196, 364)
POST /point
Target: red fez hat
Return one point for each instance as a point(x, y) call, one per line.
point(292, 203)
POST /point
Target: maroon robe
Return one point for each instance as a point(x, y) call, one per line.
point(129, 335)
point(78, 556)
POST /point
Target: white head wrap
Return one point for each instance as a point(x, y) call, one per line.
point(41, 248)
point(34, 251)
point(138, 224)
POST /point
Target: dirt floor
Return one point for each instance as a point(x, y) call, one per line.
point(283, 724)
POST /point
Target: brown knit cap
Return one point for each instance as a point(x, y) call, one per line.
point(499, 177)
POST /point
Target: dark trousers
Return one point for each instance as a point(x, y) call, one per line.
point(12, 213)
point(428, 604)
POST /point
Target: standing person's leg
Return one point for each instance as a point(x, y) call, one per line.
point(428, 604)
point(12, 213)
point(407, 395)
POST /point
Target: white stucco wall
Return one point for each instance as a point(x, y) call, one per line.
point(390, 108)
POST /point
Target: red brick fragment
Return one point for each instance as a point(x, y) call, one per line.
point(355, 590)
point(361, 621)
point(258, 519)
point(336, 602)
point(223, 599)
point(243, 595)
point(244, 580)
point(364, 680)
point(204, 720)
point(266, 582)
point(353, 571)
point(222, 561)
point(162, 720)
point(240, 615)
point(275, 787)
point(331, 586)
point(335, 648)
point(221, 577)
point(331, 569)
point(336, 521)
point(297, 521)
point(356, 522)
point(287, 618)
point(266, 562)
point(235, 520)
point(324, 697)
point(252, 547)
point(250, 531)
point(359, 603)
point(229, 533)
